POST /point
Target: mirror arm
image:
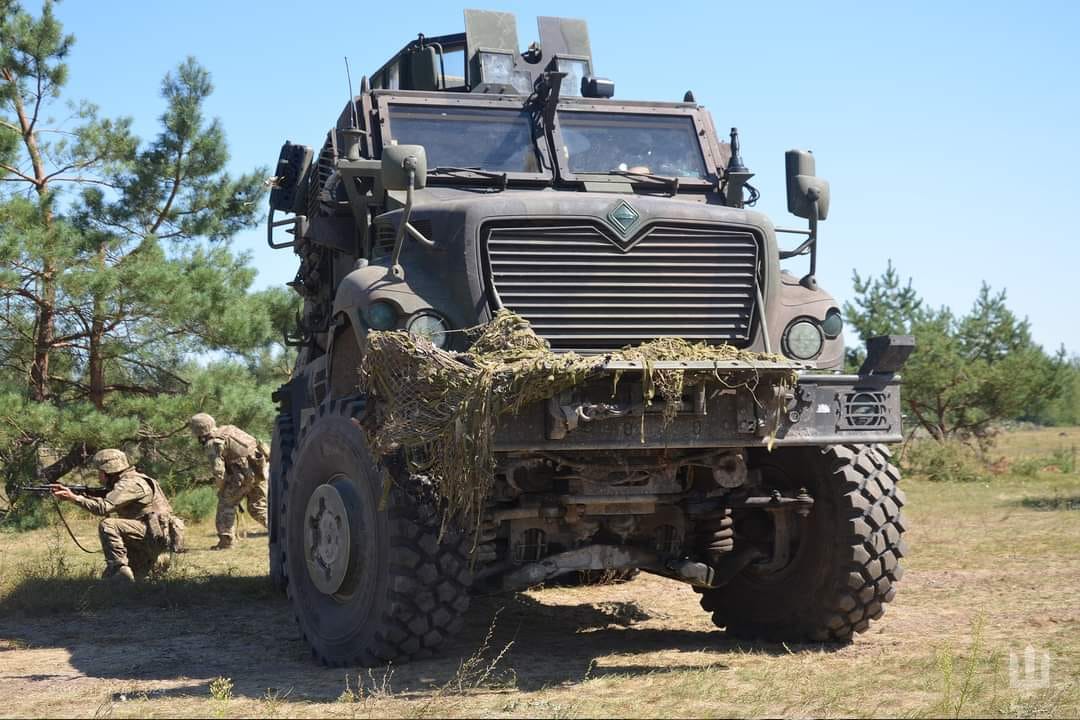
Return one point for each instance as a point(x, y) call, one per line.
point(405, 227)
point(809, 281)
point(418, 236)
point(399, 237)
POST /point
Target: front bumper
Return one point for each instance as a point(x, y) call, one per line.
point(729, 404)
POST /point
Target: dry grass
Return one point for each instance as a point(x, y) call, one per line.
point(994, 567)
point(1026, 443)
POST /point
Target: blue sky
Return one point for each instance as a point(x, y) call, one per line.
point(948, 131)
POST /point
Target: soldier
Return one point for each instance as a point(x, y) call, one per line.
point(241, 470)
point(143, 526)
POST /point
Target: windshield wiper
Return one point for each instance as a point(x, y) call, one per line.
point(470, 172)
point(672, 183)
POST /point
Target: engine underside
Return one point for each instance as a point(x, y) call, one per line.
point(681, 513)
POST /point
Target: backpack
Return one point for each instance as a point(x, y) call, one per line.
point(238, 444)
point(166, 531)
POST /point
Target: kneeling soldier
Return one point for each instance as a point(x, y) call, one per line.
point(143, 526)
point(241, 471)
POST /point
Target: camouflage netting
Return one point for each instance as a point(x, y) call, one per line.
point(441, 408)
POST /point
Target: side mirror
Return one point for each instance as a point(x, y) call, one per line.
point(398, 161)
point(422, 70)
point(804, 187)
point(287, 193)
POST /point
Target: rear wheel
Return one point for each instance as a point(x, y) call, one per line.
point(368, 578)
point(845, 556)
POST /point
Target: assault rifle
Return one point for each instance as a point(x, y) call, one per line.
point(88, 490)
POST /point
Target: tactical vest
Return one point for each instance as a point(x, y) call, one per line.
point(237, 443)
point(157, 503)
point(164, 528)
point(160, 503)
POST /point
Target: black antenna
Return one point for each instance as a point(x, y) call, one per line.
point(737, 175)
point(352, 97)
point(735, 163)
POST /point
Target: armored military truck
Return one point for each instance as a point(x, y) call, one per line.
point(468, 176)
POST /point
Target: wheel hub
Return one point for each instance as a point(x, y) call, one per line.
point(327, 540)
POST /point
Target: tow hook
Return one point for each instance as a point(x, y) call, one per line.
point(567, 417)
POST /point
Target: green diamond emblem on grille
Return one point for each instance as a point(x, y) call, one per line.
point(623, 216)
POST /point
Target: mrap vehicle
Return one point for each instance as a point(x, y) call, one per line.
point(467, 176)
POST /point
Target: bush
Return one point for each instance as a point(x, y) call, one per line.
point(1062, 460)
point(1027, 466)
point(29, 513)
point(195, 503)
point(944, 461)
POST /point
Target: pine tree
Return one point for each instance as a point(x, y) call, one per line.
point(124, 308)
point(967, 372)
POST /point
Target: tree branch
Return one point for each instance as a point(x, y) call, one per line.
point(15, 171)
point(23, 292)
point(86, 180)
point(75, 456)
point(73, 166)
point(177, 176)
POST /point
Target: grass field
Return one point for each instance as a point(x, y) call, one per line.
point(994, 568)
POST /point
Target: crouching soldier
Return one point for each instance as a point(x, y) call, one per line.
point(138, 525)
point(241, 472)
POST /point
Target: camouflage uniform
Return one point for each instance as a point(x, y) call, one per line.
point(135, 501)
point(241, 471)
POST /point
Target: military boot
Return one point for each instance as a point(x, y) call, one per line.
point(119, 574)
point(224, 543)
point(161, 564)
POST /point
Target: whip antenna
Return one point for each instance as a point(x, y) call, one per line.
point(352, 97)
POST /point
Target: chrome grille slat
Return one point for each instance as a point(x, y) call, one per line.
point(581, 291)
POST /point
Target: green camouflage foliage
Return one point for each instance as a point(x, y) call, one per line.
point(441, 408)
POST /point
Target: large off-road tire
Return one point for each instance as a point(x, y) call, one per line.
point(281, 449)
point(368, 579)
point(847, 562)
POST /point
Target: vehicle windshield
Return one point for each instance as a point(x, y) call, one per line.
point(468, 137)
point(604, 142)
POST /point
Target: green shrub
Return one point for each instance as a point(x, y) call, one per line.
point(1064, 459)
point(29, 513)
point(944, 461)
point(195, 503)
point(1061, 460)
point(1027, 466)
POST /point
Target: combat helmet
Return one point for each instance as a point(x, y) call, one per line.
point(201, 424)
point(110, 461)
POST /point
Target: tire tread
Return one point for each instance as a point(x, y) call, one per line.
point(427, 603)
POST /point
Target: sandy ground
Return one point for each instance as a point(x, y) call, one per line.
point(991, 573)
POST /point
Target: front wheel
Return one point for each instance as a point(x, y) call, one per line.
point(281, 448)
point(845, 559)
point(369, 580)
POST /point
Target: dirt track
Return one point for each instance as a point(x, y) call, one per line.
point(641, 648)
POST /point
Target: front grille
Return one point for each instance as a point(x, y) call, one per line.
point(582, 292)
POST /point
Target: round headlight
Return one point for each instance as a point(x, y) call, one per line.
point(381, 315)
point(803, 340)
point(833, 324)
point(429, 326)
